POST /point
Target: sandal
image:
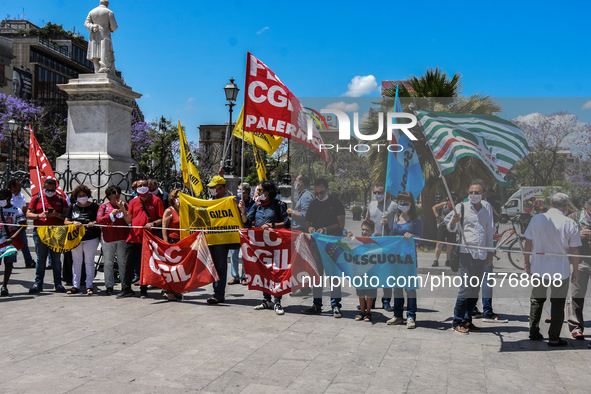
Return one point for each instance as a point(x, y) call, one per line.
point(359, 317)
point(73, 290)
point(89, 292)
point(367, 317)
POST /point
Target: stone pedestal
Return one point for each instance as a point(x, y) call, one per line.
point(99, 123)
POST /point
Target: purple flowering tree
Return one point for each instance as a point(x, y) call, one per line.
point(550, 137)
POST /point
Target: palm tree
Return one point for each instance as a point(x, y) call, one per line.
point(433, 91)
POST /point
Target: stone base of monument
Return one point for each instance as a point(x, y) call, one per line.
point(99, 124)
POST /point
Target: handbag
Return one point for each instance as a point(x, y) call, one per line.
point(454, 258)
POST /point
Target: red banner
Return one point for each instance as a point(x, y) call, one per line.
point(39, 168)
point(271, 108)
point(267, 259)
point(179, 267)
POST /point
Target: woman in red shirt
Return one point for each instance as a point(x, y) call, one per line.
point(113, 243)
point(171, 229)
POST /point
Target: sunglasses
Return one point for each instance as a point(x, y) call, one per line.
point(322, 193)
point(474, 193)
point(115, 192)
point(378, 192)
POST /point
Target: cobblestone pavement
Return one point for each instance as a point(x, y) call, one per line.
point(55, 343)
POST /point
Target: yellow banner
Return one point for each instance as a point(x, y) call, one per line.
point(261, 169)
point(61, 239)
point(188, 165)
point(211, 215)
point(267, 142)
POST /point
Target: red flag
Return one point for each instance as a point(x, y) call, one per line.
point(39, 168)
point(267, 256)
point(271, 108)
point(179, 267)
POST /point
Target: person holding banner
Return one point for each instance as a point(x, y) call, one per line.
point(326, 215)
point(83, 213)
point(171, 224)
point(406, 224)
point(367, 297)
point(9, 236)
point(267, 213)
point(145, 211)
point(219, 253)
point(111, 214)
point(298, 215)
point(47, 208)
point(443, 235)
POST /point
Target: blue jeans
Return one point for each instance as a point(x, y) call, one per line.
point(219, 255)
point(487, 293)
point(335, 294)
point(469, 290)
point(411, 305)
point(267, 297)
point(42, 252)
point(26, 251)
point(235, 265)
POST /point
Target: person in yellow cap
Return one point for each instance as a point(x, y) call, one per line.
point(219, 253)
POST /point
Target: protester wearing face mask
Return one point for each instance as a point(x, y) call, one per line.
point(408, 225)
point(9, 235)
point(111, 214)
point(48, 208)
point(145, 212)
point(158, 192)
point(326, 215)
point(477, 220)
point(219, 253)
point(83, 213)
point(268, 213)
point(377, 210)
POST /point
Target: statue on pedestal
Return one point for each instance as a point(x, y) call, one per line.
point(101, 23)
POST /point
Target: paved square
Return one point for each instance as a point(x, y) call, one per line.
point(55, 343)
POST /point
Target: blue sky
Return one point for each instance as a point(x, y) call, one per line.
point(180, 54)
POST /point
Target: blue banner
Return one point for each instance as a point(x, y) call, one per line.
point(370, 262)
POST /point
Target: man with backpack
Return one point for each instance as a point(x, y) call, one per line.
point(47, 209)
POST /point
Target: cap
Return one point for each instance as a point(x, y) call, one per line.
point(216, 180)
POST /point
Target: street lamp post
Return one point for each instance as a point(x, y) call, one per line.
point(13, 126)
point(231, 90)
point(162, 156)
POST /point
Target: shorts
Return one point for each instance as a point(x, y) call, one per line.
point(370, 293)
point(9, 259)
point(444, 235)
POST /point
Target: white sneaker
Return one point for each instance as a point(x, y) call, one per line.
point(395, 321)
point(410, 323)
point(336, 312)
point(264, 305)
point(279, 309)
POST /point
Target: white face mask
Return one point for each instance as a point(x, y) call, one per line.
point(177, 201)
point(50, 193)
point(82, 200)
point(239, 193)
point(380, 197)
point(262, 197)
point(322, 199)
point(296, 184)
point(3, 203)
point(587, 217)
point(213, 191)
point(404, 207)
point(475, 198)
point(142, 190)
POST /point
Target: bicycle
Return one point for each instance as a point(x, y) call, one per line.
point(512, 241)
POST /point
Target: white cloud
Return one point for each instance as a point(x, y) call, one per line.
point(263, 29)
point(190, 99)
point(146, 96)
point(360, 86)
point(342, 106)
point(587, 105)
point(528, 117)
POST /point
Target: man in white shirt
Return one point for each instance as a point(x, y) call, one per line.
point(375, 213)
point(553, 233)
point(478, 229)
point(18, 200)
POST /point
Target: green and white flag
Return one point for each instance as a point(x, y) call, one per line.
point(498, 143)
